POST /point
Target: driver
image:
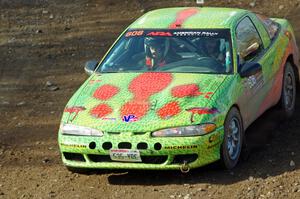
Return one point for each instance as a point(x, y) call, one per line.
point(158, 52)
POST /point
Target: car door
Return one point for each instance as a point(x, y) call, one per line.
point(251, 48)
point(274, 55)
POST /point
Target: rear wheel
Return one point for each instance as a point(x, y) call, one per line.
point(288, 92)
point(233, 139)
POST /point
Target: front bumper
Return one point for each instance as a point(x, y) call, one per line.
point(157, 153)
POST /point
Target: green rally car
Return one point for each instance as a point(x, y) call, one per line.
point(178, 89)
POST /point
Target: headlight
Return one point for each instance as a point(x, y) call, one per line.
point(186, 131)
point(70, 129)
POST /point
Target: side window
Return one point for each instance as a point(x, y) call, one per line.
point(249, 43)
point(271, 26)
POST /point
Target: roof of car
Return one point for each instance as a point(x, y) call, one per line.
point(189, 17)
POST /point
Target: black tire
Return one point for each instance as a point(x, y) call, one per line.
point(233, 139)
point(288, 92)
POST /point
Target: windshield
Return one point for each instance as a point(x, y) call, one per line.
point(187, 51)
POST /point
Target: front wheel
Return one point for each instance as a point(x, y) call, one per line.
point(233, 139)
point(288, 92)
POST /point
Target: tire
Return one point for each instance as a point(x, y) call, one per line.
point(233, 139)
point(288, 92)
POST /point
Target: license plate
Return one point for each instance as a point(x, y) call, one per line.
point(125, 155)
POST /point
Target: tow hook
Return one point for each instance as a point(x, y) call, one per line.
point(185, 167)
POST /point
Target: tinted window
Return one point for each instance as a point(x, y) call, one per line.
point(180, 50)
point(249, 43)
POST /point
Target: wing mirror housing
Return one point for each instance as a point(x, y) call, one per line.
point(90, 66)
point(249, 52)
point(250, 68)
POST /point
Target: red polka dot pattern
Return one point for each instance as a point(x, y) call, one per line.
point(142, 87)
point(147, 84)
point(106, 92)
point(168, 110)
point(101, 110)
point(189, 90)
point(134, 108)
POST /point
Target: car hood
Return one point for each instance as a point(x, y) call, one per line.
point(142, 102)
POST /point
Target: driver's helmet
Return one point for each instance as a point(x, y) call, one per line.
point(161, 44)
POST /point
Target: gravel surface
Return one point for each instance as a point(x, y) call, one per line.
point(43, 47)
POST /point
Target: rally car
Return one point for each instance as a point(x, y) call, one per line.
point(178, 89)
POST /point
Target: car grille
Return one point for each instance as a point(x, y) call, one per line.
point(159, 159)
point(74, 156)
point(188, 158)
point(145, 159)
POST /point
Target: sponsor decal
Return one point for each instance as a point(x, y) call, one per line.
point(254, 83)
point(129, 118)
point(181, 147)
point(196, 33)
point(109, 118)
point(160, 33)
point(74, 109)
point(251, 81)
point(134, 33)
point(73, 145)
point(94, 81)
point(201, 111)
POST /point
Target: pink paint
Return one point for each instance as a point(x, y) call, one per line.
point(189, 90)
point(101, 111)
point(169, 110)
point(183, 16)
point(106, 92)
point(142, 87)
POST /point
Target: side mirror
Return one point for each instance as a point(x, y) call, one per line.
point(250, 51)
point(90, 66)
point(250, 68)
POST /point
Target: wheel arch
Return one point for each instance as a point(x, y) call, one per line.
point(291, 60)
point(238, 108)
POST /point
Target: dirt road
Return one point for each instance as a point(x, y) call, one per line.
point(43, 46)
